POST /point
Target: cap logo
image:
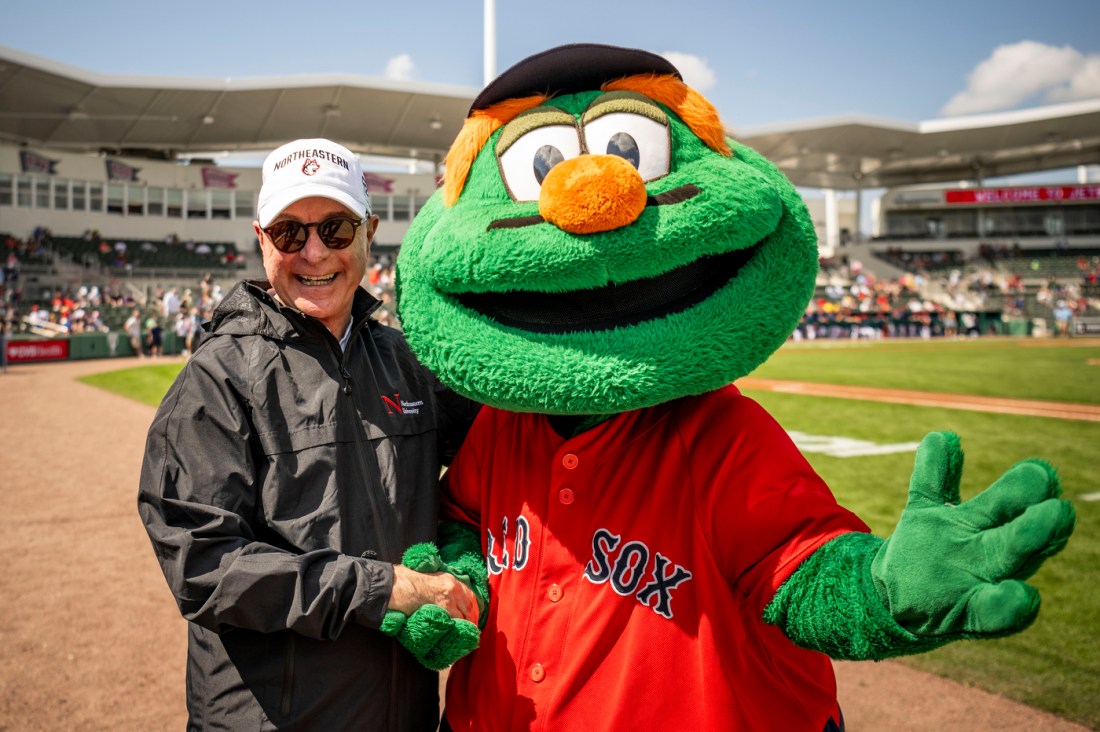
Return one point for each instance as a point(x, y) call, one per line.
point(310, 166)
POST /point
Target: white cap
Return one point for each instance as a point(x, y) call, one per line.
point(315, 167)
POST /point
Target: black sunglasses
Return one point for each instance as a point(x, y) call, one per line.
point(337, 232)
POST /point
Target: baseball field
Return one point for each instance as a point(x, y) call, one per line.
point(90, 639)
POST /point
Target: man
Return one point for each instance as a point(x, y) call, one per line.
point(291, 463)
point(132, 326)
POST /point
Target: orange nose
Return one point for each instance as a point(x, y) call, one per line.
point(592, 193)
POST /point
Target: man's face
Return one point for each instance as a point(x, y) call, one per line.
point(319, 281)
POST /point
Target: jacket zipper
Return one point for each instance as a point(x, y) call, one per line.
point(342, 363)
point(394, 707)
point(288, 675)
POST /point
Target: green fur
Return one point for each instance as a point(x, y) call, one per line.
point(435, 638)
point(957, 570)
point(744, 200)
point(830, 604)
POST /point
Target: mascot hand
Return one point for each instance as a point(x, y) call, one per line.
point(460, 550)
point(956, 570)
point(435, 638)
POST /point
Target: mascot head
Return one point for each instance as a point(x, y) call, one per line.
point(599, 245)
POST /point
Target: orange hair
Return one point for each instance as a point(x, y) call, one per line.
point(689, 105)
point(478, 128)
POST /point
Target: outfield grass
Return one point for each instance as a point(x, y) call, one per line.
point(146, 384)
point(1055, 664)
point(1065, 370)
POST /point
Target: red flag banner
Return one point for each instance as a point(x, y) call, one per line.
point(377, 184)
point(218, 178)
point(118, 170)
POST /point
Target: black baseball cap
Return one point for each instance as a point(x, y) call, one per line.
point(571, 68)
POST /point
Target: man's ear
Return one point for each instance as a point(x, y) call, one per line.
point(371, 226)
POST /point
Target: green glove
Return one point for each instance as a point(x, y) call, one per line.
point(956, 570)
point(435, 638)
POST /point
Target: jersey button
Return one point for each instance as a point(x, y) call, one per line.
point(554, 593)
point(565, 495)
point(538, 673)
point(569, 460)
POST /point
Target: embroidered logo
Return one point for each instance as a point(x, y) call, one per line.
point(397, 405)
point(310, 166)
point(627, 571)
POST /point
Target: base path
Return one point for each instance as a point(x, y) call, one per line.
point(1029, 407)
point(90, 638)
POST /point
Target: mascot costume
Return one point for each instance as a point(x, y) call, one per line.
point(600, 264)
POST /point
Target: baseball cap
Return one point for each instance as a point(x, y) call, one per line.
point(311, 167)
point(571, 68)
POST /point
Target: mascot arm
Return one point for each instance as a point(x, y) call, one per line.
point(951, 569)
point(435, 638)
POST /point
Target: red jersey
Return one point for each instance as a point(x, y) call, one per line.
point(629, 567)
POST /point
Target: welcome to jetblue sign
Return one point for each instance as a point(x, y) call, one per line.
point(1032, 194)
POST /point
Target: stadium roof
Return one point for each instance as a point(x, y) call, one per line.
point(46, 103)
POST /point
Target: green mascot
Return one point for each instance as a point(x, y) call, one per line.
point(600, 264)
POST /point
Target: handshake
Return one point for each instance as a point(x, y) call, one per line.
point(430, 632)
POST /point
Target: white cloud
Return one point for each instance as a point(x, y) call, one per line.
point(400, 68)
point(1016, 73)
point(696, 71)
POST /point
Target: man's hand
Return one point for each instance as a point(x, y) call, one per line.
point(432, 613)
point(412, 589)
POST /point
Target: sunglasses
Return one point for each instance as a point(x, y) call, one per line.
point(337, 232)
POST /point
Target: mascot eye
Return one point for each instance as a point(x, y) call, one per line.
point(641, 141)
point(528, 160)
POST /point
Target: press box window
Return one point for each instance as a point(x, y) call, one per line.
point(95, 197)
point(41, 193)
point(175, 203)
point(7, 190)
point(135, 201)
point(61, 195)
point(244, 208)
point(154, 204)
point(221, 203)
point(196, 204)
point(80, 195)
point(23, 192)
point(116, 195)
point(402, 208)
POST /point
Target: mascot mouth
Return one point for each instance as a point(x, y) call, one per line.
point(611, 306)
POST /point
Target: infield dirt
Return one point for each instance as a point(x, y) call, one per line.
point(90, 639)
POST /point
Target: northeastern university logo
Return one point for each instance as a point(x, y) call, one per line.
point(310, 166)
point(397, 405)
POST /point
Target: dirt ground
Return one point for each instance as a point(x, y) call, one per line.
point(91, 640)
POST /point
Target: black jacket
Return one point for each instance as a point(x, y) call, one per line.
point(281, 479)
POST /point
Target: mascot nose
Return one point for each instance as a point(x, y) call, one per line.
point(592, 193)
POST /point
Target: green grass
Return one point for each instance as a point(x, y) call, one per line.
point(146, 384)
point(997, 367)
point(1055, 664)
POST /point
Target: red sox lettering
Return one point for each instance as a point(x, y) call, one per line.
point(628, 569)
point(521, 546)
point(624, 570)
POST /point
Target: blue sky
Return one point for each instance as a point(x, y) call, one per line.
point(758, 62)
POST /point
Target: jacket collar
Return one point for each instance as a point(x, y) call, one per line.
point(249, 309)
